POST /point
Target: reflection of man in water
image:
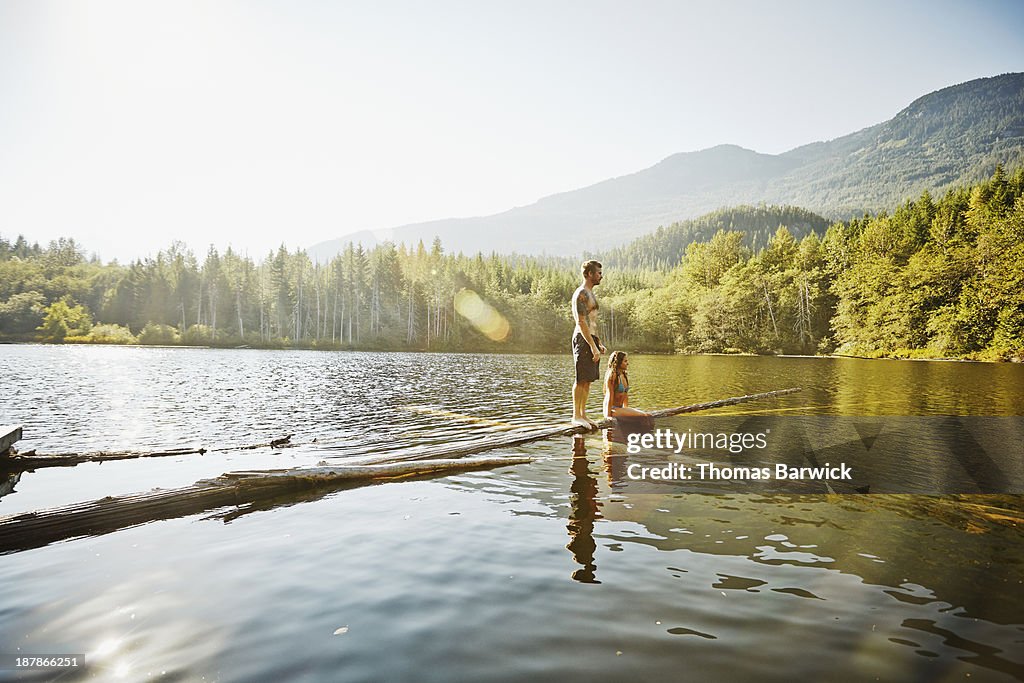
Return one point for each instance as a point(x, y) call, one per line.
point(586, 347)
point(583, 511)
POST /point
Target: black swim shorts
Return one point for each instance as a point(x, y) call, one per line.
point(587, 369)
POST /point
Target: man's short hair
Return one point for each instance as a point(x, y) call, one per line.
point(591, 267)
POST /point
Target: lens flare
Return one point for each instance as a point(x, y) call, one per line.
point(106, 648)
point(482, 315)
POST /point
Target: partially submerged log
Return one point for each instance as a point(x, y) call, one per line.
point(458, 449)
point(31, 460)
point(40, 528)
point(721, 403)
point(312, 477)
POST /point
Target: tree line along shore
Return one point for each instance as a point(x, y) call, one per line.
point(936, 278)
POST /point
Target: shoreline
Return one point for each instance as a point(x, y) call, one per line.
point(251, 347)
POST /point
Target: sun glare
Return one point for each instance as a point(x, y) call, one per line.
point(482, 315)
point(106, 648)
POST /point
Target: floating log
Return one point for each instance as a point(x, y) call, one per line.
point(669, 412)
point(40, 528)
point(8, 435)
point(458, 449)
point(31, 460)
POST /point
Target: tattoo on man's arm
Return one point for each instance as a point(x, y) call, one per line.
point(581, 304)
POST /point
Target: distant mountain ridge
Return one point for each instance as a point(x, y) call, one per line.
point(954, 136)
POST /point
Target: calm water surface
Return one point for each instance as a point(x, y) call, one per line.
point(541, 571)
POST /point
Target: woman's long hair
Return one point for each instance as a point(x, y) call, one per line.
point(615, 367)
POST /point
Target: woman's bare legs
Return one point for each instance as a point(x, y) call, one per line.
point(625, 411)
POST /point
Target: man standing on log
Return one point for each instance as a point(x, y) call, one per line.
point(586, 347)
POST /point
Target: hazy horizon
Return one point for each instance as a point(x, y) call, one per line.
point(129, 125)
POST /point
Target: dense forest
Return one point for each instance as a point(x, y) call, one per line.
point(665, 247)
point(937, 277)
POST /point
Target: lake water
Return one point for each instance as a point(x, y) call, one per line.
point(544, 571)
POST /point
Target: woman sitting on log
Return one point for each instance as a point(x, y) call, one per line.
point(616, 398)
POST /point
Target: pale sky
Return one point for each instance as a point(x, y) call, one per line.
point(127, 124)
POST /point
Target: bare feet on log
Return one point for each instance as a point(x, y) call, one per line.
point(584, 422)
